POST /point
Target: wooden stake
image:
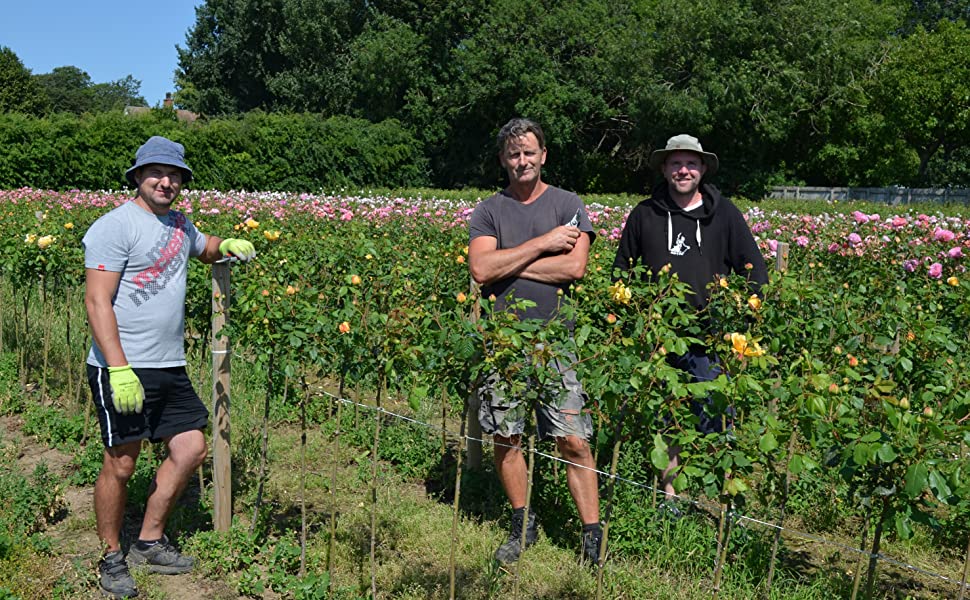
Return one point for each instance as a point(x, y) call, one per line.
point(303, 401)
point(858, 566)
point(781, 257)
point(614, 464)
point(221, 454)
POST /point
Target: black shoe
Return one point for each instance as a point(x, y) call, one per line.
point(114, 577)
point(509, 552)
point(160, 557)
point(592, 543)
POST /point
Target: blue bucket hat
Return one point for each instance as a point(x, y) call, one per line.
point(160, 151)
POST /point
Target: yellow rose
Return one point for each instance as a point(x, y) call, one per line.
point(271, 235)
point(952, 280)
point(754, 302)
point(620, 293)
point(31, 238)
point(252, 223)
point(68, 225)
point(743, 347)
point(45, 241)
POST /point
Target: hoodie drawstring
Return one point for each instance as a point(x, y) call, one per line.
point(670, 235)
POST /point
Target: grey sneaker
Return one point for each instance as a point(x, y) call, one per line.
point(114, 577)
point(161, 558)
point(509, 552)
point(592, 542)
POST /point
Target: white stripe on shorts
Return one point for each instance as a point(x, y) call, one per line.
point(107, 413)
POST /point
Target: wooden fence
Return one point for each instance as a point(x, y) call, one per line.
point(892, 195)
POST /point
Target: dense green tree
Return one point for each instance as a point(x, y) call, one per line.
point(922, 90)
point(67, 89)
point(71, 90)
point(785, 91)
point(18, 91)
point(276, 55)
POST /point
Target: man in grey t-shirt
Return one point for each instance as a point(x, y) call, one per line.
point(531, 241)
point(135, 261)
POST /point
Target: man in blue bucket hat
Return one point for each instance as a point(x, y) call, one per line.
point(135, 260)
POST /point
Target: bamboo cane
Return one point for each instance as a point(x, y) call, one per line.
point(264, 450)
point(303, 401)
point(966, 572)
point(857, 579)
point(333, 487)
point(876, 543)
point(723, 535)
point(608, 513)
point(781, 517)
point(528, 507)
point(455, 505)
point(373, 491)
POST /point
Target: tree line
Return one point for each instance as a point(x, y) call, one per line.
point(815, 92)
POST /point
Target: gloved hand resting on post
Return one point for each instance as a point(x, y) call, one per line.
point(241, 249)
point(127, 394)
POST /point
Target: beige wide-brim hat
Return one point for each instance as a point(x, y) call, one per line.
point(687, 143)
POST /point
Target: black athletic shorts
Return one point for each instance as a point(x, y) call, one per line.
point(171, 406)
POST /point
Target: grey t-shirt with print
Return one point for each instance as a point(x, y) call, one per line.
point(152, 255)
point(513, 223)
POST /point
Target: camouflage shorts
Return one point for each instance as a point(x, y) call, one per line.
point(559, 410)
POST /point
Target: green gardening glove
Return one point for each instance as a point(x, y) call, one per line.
point(127, 393)
point(241, 249)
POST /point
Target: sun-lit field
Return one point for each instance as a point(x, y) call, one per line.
point(849, 377)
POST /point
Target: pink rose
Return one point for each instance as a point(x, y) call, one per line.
point(801, 241)
point(943, 235)
point(860, 217)
point(899, 222)
point(854, 239)
point(834, 247)
point(955, 252)
point(936, 270)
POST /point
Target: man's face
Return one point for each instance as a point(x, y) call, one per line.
point(523, 159)
point(683, 171)
point(159, 186)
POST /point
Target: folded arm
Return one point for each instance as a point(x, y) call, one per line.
point(489, 264)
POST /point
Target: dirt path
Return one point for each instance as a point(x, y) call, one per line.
point(72, 531)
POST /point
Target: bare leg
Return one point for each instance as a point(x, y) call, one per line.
point(670, 473)
point(111, 492)
point(511, 468)
point(186, 451)
point(582, 481)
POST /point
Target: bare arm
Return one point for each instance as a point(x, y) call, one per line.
point(560, 268)
point(489, 264)
point(100, 287)
point(211, 253)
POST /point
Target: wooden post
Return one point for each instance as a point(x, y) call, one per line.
point(473, 454)
point(781, 257)
point(221, 456)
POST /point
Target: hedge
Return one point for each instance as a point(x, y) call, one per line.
point(256, 151)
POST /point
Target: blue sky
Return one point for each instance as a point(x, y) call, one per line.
point(109, 39)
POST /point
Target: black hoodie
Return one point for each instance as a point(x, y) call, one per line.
point(700, 244)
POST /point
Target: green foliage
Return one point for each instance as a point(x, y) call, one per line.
point(258, 151)
point(69, 89)
point(784, 92)
point(18, 92)
point(29, 502)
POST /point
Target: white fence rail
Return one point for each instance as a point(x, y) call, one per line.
point(891, 195)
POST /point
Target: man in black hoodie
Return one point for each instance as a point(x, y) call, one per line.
point(701, 235)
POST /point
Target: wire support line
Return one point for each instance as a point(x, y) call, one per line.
point(692, 501)
point(697, 503)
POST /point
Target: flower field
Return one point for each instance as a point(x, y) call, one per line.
point(848, 375)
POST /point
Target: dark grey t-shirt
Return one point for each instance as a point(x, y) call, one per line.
point(512, 224)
